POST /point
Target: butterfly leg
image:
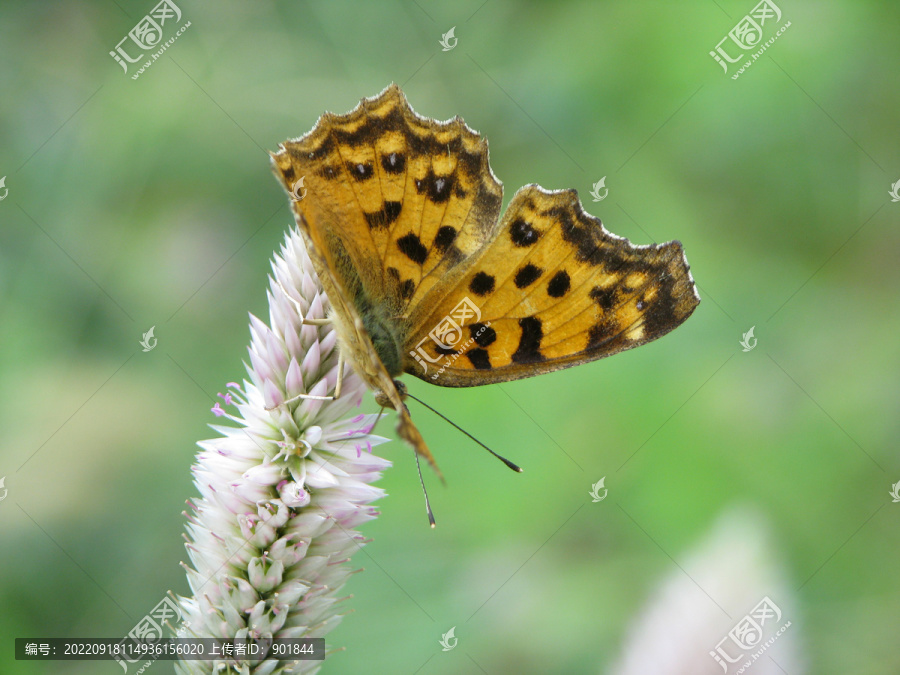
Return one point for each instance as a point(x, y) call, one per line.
point(299, 397)
point(303, 319)
point(337, 387)
point(340, 375)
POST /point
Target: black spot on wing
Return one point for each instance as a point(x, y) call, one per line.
point(529, 350)
point(484, 336)
point(411, 246)
point(527, 275)
point(523, 234)
point(436, 188)
point(394, 162)
point(446, 235)
point(559, 284)
point(482, 283)
point(388, 213)
point(479, 358)
point(361, 172)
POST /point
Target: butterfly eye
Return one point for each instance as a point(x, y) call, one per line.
point(401, 389)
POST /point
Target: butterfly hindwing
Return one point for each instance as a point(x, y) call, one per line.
point(552, 290)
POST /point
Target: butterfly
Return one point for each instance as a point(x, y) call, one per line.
point(401, 217)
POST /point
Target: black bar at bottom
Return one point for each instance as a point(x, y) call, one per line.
point(169, 649)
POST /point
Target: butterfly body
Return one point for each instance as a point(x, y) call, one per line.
point(402, 219)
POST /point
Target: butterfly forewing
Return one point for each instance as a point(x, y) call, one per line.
point(554, 289)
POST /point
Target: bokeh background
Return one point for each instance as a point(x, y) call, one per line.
point(731, 475)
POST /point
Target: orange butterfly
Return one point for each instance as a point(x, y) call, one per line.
point(400, 214)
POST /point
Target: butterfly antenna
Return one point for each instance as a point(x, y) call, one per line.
point(424, 491)
point(511, 465)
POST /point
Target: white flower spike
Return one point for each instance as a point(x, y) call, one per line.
point(281, 493)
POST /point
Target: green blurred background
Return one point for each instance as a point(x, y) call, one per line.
point(135, 203)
